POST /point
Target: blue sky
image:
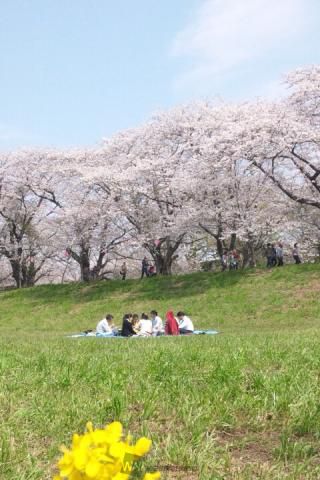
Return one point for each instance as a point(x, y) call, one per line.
point(74, 71)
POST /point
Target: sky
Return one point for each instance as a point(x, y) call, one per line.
point(75, 71)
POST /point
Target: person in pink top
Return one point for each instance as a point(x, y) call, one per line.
point(171, 327)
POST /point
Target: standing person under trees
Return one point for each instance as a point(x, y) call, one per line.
point(274, 255)
point(269, 255)
point(296, 254)
point(279, 253)
point(145, 268)
point(224, 261)
point(123, 271)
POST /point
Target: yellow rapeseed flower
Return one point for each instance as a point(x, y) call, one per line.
point(102, 454)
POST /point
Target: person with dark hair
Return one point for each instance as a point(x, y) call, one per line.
point(106, 326)
point(185, 323)
point(123, 271)
point(232, 260)
point(127, 327)
point(145, 326)
point(279, 251)
point(152, 271)
point(157, 325)
point(136, 323)
point(171, 327)
point(224, 261)
point(274, 255)
point(269, 255)
point(296, 254)
point(145, 268)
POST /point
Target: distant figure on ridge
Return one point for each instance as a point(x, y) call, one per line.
point(145, 268)
point(123, 271)
point(269, 255)
point(296, 254)
point(152, 271)
point(279, 255)
point(224, 261)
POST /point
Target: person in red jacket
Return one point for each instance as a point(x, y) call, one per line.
point(171, 327)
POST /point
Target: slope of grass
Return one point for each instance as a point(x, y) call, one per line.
point(241, 405)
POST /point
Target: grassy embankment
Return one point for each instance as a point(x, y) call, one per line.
point(241, 405)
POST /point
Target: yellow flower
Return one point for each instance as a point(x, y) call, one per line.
point(102, 454)
point(152, 476)
point(142, 446)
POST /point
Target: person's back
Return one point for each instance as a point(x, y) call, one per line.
point(145, 328)
point(171, 327)
point(269, 250)
point(127, 328)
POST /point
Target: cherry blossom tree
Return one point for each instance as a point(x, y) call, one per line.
point(27, 200)
point(282, 139)
point(150, 200)
point(92, 229)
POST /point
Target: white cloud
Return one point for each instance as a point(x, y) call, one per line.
point(227, 34)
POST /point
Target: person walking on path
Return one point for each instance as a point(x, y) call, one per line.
point(145, 268)
point(296, 254)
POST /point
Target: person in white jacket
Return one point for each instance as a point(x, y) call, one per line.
point(185, 323)
point(145, 326)
point(157, 324)
point(105, 326)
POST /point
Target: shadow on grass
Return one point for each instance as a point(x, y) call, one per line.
point(156, 288)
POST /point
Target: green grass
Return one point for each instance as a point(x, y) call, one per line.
point(241, 405)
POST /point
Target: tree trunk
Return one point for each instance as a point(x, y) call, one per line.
point(28, 274)
point(163, 252)
point(249, 254)
point(16, 271)
point(85, 267)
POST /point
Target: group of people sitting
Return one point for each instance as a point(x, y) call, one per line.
point(135, 326)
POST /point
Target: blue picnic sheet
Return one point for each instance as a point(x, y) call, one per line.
point(108, 335)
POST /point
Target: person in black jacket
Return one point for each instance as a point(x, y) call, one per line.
point(145, 268)
point(127, 327)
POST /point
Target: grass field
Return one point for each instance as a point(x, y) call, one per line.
point(241, 405)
